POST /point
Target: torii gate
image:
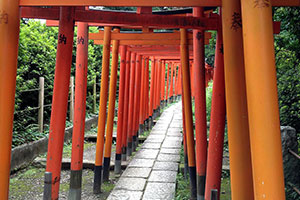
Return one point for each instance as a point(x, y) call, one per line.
point(140, 39)
point(263, 115)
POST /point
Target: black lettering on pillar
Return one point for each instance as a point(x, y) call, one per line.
point(3, 17)
point(80, 40)
point(62, 39)
point(236, 21)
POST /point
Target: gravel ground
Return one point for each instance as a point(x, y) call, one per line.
point(28, 183)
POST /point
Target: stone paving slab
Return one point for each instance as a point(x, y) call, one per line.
point(156, 191)
point(161, 126)
point(141, 163)
point(159, 129)
point(175, 125)
point(147, 153)
point(125, 195)
point(178, 130)
point(171, 144)
point(165, 122)
point(170, 151)
point(163, 176)
point(174, 134)
point(174, 138)
point(154, 136)
point(171, 166)
point(155, 140)
point(178, 118)
point(151, 145)
point(168, 157)
point(137, 172)
point(158, 132)
point(131, 184)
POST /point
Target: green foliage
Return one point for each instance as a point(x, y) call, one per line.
point(37, 57)
point(183, 187)
point(210, 49)
point(287, 50)
point(208, 100)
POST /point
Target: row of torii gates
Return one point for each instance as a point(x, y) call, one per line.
point(249, 79)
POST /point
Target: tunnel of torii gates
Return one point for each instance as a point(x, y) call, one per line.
point(249, 79)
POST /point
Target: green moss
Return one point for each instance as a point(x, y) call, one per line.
point(64, 187)
point(88, 145)
point(67, 151)
point(145, 134)
point(225, 189)
point(25, 181)
point(107, 186)
point(92, 131)
point(183, 187)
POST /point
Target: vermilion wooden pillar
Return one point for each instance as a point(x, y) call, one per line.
point(102, 111)
point(158, 86)
point(59, 102)
point(147, 113)
point(131, 104)
point(111, 107)
point(200, 106)
point(180, 81)
point(262, 99)
point(171, 82)
point(9, 33)
point(186, 162)
point(168, 82)
point(152, 93)
point(163, 82)
point(142, 97)
point(188, 111)
point(137, 89)
point(217, 124)
point(192, 80)
point(79, 114)
point(156, 90)
point(121, 110)
point(175, 81)
point(159, 89)
point(126, 107)
point(236, 103)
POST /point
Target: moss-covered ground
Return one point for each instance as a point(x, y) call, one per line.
point(183, 185)
point(28, 184)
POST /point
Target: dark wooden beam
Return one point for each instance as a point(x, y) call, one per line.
point(125, 19)
point(138, 3)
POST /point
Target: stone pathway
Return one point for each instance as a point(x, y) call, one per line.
point(151, 174)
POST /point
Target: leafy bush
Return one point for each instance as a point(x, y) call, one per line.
point(37, 57)
point(208, 100)
point(287, 49)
